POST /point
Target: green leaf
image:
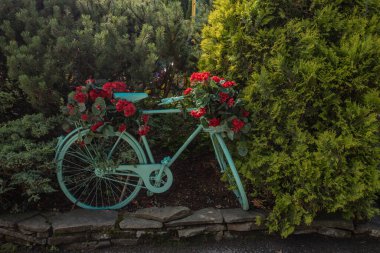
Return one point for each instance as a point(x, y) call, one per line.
point(230, 134)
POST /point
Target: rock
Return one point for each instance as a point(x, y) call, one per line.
point(333, 232)
point(43, 235)
point(23, 237)
point(83, 220)
point(67, 239)
point(203, 216)
point(83, 246)
point(164, 214)
point(124, 234)
point(100, 236)
point(239, 215)
point(246, 226)
point(34, 224)
point(137, 223)
point(26, 232)
point(190, 232)
point(305, 231)
point(370, 228)
point(10, 220)
point(333, 222)
point(215, 228)
point(124, 242)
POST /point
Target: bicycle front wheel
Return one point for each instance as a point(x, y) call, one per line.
point(228, 169)
point(86, 170)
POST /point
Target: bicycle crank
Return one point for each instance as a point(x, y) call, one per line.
point(153, 180)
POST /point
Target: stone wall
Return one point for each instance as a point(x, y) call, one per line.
point(85, 229)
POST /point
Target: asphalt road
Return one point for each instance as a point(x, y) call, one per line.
point(259, 244)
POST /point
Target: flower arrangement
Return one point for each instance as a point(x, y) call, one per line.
point(218, 106)
point(95, 108)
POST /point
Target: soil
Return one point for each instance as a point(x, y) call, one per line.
point(196, 185)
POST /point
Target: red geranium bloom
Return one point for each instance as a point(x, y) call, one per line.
point(237, 124)
point(111, 87)
point(95, 126)
point(94, 94)
point(223, 97)
point(121, 104)
point(199, 76)
point(187, 91)
point(122, 127)
point(70, 107)
point(84, 117)
point(129, 109)
point(213, 122)
point(231, 102)
point(80, 88)
point(228, 84)
point(216, 79)
point(143, 130)
point(245, 113)
point(198, 113)
point(145, 118)
point(80, 97)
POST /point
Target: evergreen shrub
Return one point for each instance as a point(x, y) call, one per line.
point(311, 71)
point(27, 154)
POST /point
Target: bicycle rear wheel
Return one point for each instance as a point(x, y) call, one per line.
point(228, 168)
point(86, 170)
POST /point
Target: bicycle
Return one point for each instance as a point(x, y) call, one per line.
point(108, 172)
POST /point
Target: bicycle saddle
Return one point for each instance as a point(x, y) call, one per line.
point(130, 96)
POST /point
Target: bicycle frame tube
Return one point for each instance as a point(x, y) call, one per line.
point(179, 151)
point(163, 111)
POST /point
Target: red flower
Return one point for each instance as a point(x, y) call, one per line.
point(122, 127)
point(245, 113)
point(111, 87)
point(129, 109)
point(95, 126)
point(121, 104)
point(70, 107)
point(223, 97)
point(80, 88)
point(187, 91)
point(80, 97)
point(94, 94)
point(145, 118)
point(143, 130)
point(199, 76)
point(228, 84)
point(84, 117)
point(216, 79)
point(120, 87)
point(214, 122)
point(98, 107)
point(231, 102)
point(198, 113)
point(237, 124)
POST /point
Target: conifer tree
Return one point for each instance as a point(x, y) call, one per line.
point(311, 76)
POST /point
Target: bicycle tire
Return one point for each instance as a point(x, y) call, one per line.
point(83, 170)
point(227, 167)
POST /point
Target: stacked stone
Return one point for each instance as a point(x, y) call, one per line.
point(84, 229)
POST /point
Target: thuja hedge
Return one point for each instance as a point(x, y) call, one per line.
point(311, 72)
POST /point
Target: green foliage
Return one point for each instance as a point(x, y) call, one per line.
point(311, 75)
point(48, 46)
point(26, 159)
